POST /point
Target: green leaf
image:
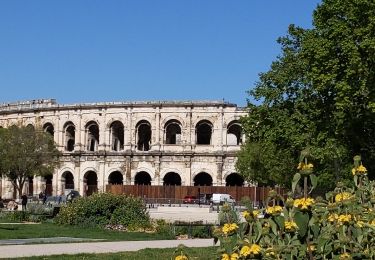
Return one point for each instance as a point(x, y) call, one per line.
point(314, 181)
point(295, 181)
point(280, 221)
point(273, 226)
point(302, 221)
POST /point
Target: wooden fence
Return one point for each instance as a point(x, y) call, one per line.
point(256, 194)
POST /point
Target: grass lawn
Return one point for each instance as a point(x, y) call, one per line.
point(204, 253)
point(19, 231)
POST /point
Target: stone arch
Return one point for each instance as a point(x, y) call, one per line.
point(203, 132)
point(116, 135)
point(142, 178)
point(92, 136)
point(69, 136)
point(67, 179)
point(143, 138)
point(116, 178)
point(234, 133)
point(234, 179)
point(174, 117)
point(172, 132)
point(48, 128)
point(30, 185)
point(48, 181)
point(30, 125)
point(172, 178)
point(90, 181)
point(203, 179)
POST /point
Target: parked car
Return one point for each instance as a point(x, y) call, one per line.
point(73, 194)
point(190, 199)
point(221, 198)
point(205, 198)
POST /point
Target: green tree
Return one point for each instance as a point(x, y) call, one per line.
point(319, 93)
point(26, 152)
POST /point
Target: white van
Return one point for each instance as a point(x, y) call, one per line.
point(220, 198)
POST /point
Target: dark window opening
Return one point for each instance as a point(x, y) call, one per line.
point(68, 180)
point(144, 136)
point(172, 178)
point(204, 132)
point(117, 134)
point(48, 128)
point(70, 137)
point(173, 133)
point(234, 179)
point(91, 181)
point(92, 137)
point(203, 179)
point(234, 134)
point(48, 178)
point(115, 178)
point(142, 178)
point(30, 182)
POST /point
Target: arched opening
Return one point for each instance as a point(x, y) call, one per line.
point(172, 178)
point(91, 182)
point(70, 135)
point(68, 180)
point(203, 132)
point(144, 136)
point(92, 136)
point(234, 134)
point(115, 178)
point(172, 132)
point(202, 179)
point(49, 189)
point(30, 185)
point(48, 128)
point(234, 179)
point(142, 178)
point(30, 126)
point(117, 136)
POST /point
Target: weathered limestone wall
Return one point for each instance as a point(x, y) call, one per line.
point(187, 158)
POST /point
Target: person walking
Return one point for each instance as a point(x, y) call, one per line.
point(24, 201)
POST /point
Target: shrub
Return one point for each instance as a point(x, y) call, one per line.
point(104, 208)
point(339, 226)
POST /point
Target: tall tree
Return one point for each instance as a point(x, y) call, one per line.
point(26, 152)
point(319, 93)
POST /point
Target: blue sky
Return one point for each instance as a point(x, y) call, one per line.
point(92, 51)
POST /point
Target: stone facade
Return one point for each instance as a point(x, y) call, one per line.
point(171, 143)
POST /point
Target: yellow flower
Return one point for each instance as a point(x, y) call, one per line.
point(343, 196)
point(275, 210)
point(255, 249)
point(181, 257)
point(290, 226)
point(234, 256)
point(333, 217)
point(303, 204)
point(245, 214)
point(303, 166)
point(255, 213)
point(245, 251)
point(311, 248)
point(344, 218)
point(229, 228)
point(345, 256)
point(360, 170)
point(225, 257)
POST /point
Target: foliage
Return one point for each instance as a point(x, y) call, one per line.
point(26, 152)
point(339, 226)
point(101, 209)
point(318, 93)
